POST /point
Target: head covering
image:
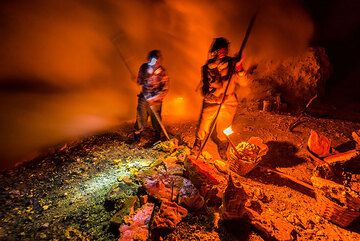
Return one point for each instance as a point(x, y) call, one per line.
point(219, 43)
point(154, 54)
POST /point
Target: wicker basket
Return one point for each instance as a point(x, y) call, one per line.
point(341, 215)
point(242, 167)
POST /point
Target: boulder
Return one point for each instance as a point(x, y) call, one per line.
point(295, 79)
point(169, 215)
point(190, 197)
point(137, 225)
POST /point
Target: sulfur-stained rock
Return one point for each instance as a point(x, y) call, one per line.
point(221, 166)
point(119, 193)
point(189, 196)
point(166, 146)
point(129, 206)
point(173, 166)
point(169, 215)
point(137, 225)
point(181, 153)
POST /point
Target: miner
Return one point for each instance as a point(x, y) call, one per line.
point(154, 84)
point(220, 77)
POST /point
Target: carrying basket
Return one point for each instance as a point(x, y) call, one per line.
point(341, 212)
point(243, 167)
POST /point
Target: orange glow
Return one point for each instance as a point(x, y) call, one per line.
point(228, 131)
point(179, 99)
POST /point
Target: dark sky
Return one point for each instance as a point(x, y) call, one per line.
point(337, 26)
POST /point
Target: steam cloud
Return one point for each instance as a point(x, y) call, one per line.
point(61, 75)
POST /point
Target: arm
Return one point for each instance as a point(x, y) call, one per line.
point(141, 75)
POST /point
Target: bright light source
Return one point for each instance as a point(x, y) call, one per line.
point(228, 131)
point(152, 61)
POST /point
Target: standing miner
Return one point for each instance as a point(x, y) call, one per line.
point(154, 84)
point(216, 74)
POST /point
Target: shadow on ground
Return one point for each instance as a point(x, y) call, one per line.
point(281, 154)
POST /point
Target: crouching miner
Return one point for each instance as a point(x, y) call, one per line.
point(154, 84)
point(216, 74)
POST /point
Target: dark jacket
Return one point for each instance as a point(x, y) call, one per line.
point(154, 86)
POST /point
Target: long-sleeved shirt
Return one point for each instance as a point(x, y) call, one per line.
point(215, 76)
point(154, 84)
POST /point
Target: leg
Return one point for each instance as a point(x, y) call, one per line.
point(155, 123)
point(225, 119)
point(141, 117)
point(207, 115)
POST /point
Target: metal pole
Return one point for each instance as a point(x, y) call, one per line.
point(160, 122)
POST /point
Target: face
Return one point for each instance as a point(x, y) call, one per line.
point(222, 53)
point(153, 61)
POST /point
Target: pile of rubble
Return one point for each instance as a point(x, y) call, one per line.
point(159, 196)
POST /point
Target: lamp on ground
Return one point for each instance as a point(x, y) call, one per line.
point(228, 131)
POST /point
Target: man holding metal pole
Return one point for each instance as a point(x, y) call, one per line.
point(154, 83)
point(219, 77)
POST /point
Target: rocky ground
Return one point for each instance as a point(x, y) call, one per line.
point(67, 194)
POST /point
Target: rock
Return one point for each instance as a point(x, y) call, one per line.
point(137, 226)
point(166, 146)
point(189, 196)
point(234, 200)
point(45, 225)
point(169, 215)
point(202, 173)
point(172, 167)
point(181, 153)
point(259, 194)
point(319, 144)
point(119, 193)
point(144, 199)
point(214, 195)
point(221, 166)
point(154, 186)
point(293, 219)
point(129, 206)
point(299, 78)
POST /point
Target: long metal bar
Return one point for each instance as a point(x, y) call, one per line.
point(160, 122)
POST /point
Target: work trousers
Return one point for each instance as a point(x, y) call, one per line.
point(143, 113)
point(224, 120)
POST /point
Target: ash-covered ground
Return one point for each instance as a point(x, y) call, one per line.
point(62, 195)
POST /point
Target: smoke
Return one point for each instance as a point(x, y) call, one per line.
point(62, 76)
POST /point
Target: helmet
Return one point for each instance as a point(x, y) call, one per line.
point(219, 43)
